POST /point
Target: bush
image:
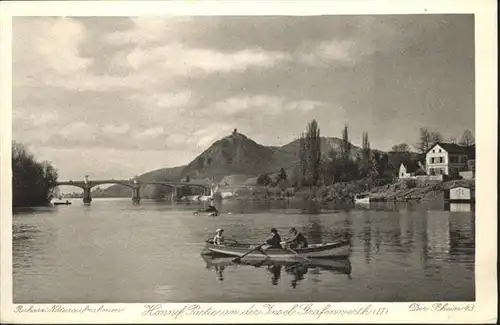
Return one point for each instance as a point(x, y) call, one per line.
point(33, 182)
point(304, 194)
point(264, 180)
point(322, 192)
point(411, 183)
point(289, 192)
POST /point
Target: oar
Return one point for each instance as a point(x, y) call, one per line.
point(237, 259)
point(264, 260)
point(302, 257)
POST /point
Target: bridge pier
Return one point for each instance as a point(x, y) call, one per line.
point(87, 198)
point(174, 194)
point(136, 195)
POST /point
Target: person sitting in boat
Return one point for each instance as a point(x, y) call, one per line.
point(219, 237)
point(211, 207)
point(212, 210)
point(297, 241)
point(274, 241)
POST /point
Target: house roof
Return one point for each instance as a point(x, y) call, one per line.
point(411, 166)
point(452, 148)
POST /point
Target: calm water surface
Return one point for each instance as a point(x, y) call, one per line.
point(113, 251)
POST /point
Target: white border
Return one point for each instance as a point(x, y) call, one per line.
point(485, 307)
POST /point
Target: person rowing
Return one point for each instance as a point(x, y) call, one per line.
point(297, 240)
point(212, 210)
point(211, 207)
point(274, 240)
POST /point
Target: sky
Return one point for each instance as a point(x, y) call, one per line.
point(114, 97)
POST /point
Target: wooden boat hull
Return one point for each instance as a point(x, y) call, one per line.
point(341, 248)
point(62, 203)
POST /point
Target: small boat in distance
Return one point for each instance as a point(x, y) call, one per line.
point(62, 203)
point(362, 198)
point(338, 249)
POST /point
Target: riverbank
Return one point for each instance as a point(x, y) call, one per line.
point(379, 190)
point(418, 191)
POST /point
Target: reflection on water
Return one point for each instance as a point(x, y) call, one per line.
point(23, 247)
point(113, 251)
point(296, 270)
point(459, 207)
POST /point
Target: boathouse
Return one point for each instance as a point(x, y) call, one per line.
point(459, 194)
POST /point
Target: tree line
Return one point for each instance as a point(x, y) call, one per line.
point(428, 137)
point(33, 182)
point(316, 169)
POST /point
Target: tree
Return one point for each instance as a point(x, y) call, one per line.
point(282, 176)
point(313, 145)
point(402, 147)
point(382, 165)
point(436, 137)
point(424, 140)
point(264, 180)
point(33, 183)
point(366, 151)
point(366, 165)
point(302, 159)
point(428, 138)
point(467, 138)
point(310, 154)
point(330, 166)
point(346, 144)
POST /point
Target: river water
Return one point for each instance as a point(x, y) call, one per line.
point(115, 252)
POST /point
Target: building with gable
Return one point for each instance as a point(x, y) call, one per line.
point(449, 159)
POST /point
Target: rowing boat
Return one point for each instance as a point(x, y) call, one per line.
point(362, 199)
point(337, 249)
point(342, 266)
point(62, 203)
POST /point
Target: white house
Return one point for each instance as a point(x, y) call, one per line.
point(407, 170)
point(448, 159)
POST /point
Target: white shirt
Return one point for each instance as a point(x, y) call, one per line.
point(218, 239)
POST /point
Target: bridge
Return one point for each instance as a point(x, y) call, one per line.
point(135, 185)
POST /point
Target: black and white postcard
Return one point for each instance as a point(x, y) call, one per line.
point(246, 161)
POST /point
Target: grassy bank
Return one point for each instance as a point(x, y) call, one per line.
point(380, 190)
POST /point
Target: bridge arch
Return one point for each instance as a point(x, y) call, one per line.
point(135, 185)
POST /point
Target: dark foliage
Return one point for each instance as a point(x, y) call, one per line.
point(33, 183)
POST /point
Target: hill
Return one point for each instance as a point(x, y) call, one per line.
point(162, 174)
point(231, 156)
point(234, 154)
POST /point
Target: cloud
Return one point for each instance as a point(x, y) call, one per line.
point(171, 99)
point(58, 44)
point(148, 30)
point(47, 53)
point(206, 135)
point(180, 60)
point(78, 132)
point(176, 140)
point(112, 129)
point(48, 46)
point(38, 119)
point(328, 51)
point(149, 133)
point(262, 105)
point(159, 42)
